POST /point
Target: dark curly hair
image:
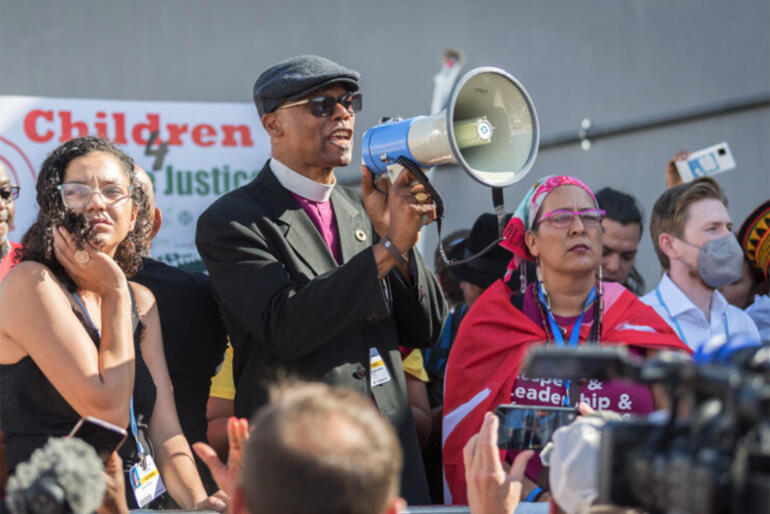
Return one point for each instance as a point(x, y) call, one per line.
point(37, 243)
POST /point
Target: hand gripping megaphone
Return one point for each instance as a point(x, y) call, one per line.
point(489, 128)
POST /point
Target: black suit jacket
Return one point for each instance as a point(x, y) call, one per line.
point(194, 340)
point(290, 309)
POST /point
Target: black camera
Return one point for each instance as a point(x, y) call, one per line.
point(714, 460)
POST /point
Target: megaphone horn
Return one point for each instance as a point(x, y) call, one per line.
point(489, 128)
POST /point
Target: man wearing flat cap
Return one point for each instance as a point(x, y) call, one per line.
point(316, 280)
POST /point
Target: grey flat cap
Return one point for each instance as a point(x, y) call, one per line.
point(298, 76)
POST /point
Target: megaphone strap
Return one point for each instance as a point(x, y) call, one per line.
point(497, 199)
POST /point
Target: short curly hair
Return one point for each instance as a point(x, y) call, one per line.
point(37, 243)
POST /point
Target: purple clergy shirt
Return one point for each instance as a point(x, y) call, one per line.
point(322, 216)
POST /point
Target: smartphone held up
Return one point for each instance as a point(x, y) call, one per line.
point(103, 436)
point(524, 427)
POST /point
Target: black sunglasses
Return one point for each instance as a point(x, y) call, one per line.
point(9, 193)
point(324, 105)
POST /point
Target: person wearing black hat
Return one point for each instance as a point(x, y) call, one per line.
point(478, 274)
point(314, 279)
point(473, 277)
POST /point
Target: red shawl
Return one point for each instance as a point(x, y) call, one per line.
point(489, 350)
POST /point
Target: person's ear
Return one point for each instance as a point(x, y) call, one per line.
point(530, 238)
point(666, 244)
point(395, 506)
point(272, 124)
point(134, 214)
point(157, 222)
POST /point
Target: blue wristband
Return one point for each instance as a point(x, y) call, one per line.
point(534, 494)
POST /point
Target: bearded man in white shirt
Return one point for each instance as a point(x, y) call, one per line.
point(692, 234)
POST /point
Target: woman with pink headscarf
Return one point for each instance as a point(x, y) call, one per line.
point(557, 225)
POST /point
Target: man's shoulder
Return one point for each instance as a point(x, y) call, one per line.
point(153, 268)
point(734, 313)
point(178, 292)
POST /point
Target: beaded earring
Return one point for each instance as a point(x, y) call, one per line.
point(541, 284)
point(600, 291)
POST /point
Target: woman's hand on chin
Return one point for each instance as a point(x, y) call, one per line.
point(91, 269)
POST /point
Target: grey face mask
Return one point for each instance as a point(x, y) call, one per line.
point(720, 261)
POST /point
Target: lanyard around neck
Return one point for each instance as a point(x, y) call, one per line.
point(676, 323)
point(575, 333)
point(132, 417)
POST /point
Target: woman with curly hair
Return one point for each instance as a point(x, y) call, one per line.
point(76, 337)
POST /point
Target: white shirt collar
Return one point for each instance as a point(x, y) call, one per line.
point(299, 184)
point(678, 302)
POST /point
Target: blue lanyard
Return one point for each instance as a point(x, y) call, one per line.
point(556, 331)
point(134, 430)
point(676, 323)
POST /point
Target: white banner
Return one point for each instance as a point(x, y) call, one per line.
point(200, 151)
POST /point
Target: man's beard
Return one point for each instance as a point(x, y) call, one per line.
point(694, 274)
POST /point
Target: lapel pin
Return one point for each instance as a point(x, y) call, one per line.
point(360, 235)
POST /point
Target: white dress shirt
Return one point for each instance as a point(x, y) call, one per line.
point(688, 320)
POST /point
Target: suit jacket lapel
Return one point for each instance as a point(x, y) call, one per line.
point(299, 231)
point(354, 229)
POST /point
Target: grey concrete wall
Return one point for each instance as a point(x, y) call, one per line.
point(607, 60)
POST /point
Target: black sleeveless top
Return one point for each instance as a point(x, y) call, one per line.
point(32, 410)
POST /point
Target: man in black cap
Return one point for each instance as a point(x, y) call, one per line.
point(314, 279)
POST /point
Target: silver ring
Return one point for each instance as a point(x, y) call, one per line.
point(82, 257)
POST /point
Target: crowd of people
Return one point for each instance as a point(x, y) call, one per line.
point(312, 281)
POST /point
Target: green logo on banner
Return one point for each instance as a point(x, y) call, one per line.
point(217, 181)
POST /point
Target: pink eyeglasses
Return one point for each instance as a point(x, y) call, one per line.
point(563, 218)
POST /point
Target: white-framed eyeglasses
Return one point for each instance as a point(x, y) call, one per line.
point(75, 195)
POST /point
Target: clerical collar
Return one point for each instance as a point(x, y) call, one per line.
point(299, 184)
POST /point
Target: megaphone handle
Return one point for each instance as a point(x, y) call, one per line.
point(438, 200)
point(423, 179)
point(497, 199)
point(375, 186)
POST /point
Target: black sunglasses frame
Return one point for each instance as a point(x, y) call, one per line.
point(9, 193)
point(321, 106)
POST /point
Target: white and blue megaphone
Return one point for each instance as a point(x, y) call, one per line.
point(489, 128)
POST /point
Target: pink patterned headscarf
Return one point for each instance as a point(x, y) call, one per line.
point(524, 217)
